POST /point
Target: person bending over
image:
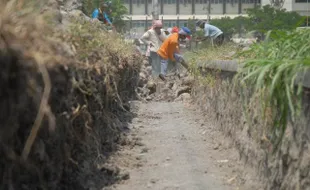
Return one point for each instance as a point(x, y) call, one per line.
point(212, 32)
point(169, 50)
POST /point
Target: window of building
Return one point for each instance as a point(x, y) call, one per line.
point(301, 1)
point(166, 24)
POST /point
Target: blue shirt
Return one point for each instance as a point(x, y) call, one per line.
point(96, 15)
point(212, 31)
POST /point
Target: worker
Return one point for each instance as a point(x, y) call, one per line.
point(101, 14)
point(175, 30)
point(154, 37)
point(169, 50)
point(212, 32)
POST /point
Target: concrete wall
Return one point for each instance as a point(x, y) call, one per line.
point(186, 8)
point(138, 8)
point(217, 8)
point(301, 8)
point(287, 168)
point(170, 9)
point(232, 7)
point(201, 9)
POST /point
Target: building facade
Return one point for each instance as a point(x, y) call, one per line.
point(300, 6)
point(177, 12)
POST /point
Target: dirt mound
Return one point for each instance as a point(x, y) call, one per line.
point(63, 102)
point(177, 86)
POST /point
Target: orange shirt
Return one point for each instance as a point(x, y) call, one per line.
point(169, 47)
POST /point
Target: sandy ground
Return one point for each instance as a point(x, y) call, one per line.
point(176, 149)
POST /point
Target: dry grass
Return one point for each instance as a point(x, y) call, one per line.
point(213, 53)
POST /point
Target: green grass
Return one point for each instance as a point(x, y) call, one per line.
point(272, 68)
point(205, 53)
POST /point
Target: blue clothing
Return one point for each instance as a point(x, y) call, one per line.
point(212, 31)
point(96, 15)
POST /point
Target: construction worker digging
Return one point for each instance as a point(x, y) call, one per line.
point(169, 50)
point(214, 33)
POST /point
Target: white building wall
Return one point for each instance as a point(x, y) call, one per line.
point(301, 8)
point(232, 7)
point(247, 4)
point(287, 4)
point(150, 8)
point(292, 5)
point(217, 7)
point(185, 7)
point(169, 8)
point(138, 7)
point(201, 8)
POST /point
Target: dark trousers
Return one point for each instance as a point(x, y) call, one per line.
point(219, 40)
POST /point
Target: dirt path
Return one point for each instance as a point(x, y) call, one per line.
point(177, 150)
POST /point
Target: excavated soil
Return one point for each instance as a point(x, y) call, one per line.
point(62, 113)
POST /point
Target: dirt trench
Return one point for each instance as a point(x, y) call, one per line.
point(176, 148)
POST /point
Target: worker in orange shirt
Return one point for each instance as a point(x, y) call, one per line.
point(169, 50)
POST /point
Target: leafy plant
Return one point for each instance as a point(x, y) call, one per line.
point(268, 18)
point(261, 19)
point(272, 71)
point(230, 26)
point(118, 11)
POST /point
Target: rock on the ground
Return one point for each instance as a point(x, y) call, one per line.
point(145, 63)
point(142, 79)
point(188, 81)
point(70, 5)
point(184, 74)
point(183, 97)
point(185, 89)
point(151, 86)
point(170, 85)
point(246, 48)
point(143, 91)
point(174, 87)
point(149, 70)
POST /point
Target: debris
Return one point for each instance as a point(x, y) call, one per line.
point(124, 175)
point(231, 180)
point(144, 150)
point(151, 86)
point(185, 89)
point(222, 161)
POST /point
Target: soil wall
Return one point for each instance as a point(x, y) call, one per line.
point(288, 167)
point(64, 102)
